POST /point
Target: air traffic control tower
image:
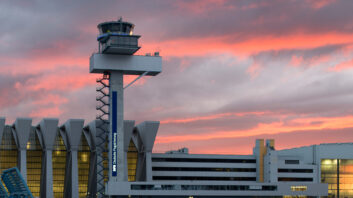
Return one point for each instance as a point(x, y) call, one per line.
point(115, 58)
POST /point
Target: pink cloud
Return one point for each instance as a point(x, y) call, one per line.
point(247, 46)
point(254, 70)
point(211, 117)
point(342, 66)
point(318, 4)
point(268, 128)
point(62, 82)
point(296, 60)
point(53, 99)
point(199, 7)
point(46, 112)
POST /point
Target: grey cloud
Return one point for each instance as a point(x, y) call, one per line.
point(10, 94)
point(216, 85)
point(307, 54)
point(231, 123)
point(188, 86)
point(37, 25)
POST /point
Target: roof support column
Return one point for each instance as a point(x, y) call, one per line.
point(147, 131)
point(22, 162)
point(2, 128)
point(21, 129)
point(90, 132)
point(47, 131)
point(46, 187)
point(71, 132)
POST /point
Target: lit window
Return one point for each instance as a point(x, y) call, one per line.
point(298, 188)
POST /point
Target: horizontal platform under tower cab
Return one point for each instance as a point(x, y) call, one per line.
point(127, 64)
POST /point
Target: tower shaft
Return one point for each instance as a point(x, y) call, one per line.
point(116, 132)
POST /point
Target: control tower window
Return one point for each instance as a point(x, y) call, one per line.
point(114, 27)
point(126, 28)
point(110, 28)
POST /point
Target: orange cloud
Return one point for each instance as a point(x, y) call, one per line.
point(308, 124)
point(211, 117)
point(216, 45)
point(35, 65)
point(62, 82)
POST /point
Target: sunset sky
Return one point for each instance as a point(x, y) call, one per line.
point(233, 71)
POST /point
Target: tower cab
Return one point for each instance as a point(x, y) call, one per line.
point(116, 37)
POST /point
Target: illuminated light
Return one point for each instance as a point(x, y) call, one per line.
point(191, 196)
point(84, 157)
point(329, 175)
point(329, 162)
point(132, 161)
point(28, 145)
point(57, 152)
point(35, 163)
point(299, 188)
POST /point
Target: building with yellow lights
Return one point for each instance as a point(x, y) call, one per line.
point(57, 160)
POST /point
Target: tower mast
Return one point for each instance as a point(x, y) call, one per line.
point(115, 58)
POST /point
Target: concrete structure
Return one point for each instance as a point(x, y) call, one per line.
point(60, 162)
point(115, 58)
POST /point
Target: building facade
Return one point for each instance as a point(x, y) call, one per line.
point(61, 161)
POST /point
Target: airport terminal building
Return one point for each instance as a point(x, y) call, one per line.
point(61, 161)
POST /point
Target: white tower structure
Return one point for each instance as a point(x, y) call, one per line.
point(116, 58)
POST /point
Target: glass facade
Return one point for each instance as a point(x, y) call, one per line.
point(35, 154)
point(132, 161)
point(34, 163)
point(83, 156)
point(338, 173)
point(8, 150)
point(105, 164)
point(59, 163)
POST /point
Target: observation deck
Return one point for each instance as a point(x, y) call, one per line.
point(116, 37)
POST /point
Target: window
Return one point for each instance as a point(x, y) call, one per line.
point(291, 161)
point(157, 159)
point(285, 170)
point(295, 179)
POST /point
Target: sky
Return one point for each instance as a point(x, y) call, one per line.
point(233, 71)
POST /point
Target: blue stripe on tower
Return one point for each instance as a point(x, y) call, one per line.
point(114, 133)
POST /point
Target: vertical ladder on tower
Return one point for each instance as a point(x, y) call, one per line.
point(102, 132)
